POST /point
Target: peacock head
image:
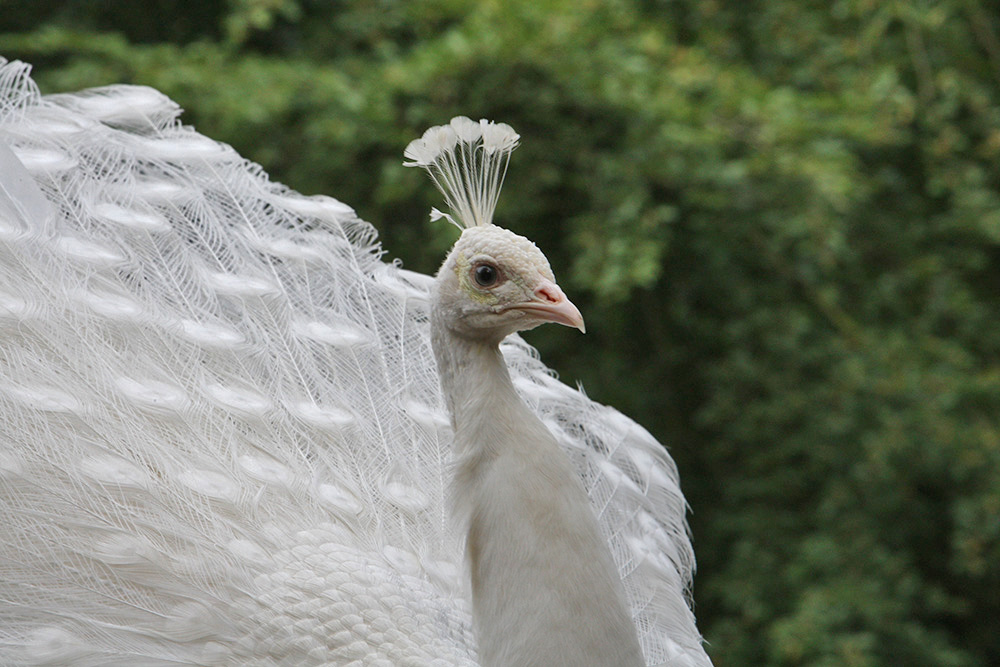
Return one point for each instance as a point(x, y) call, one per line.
point(493, 282)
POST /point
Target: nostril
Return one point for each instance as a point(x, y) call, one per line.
point(550, 293)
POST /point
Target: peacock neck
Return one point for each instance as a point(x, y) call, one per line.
point(474, 379)
point(545, 590)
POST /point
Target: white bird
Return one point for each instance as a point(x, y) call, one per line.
point(545, 591)
point(224, 436)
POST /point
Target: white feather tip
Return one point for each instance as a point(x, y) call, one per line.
point(467, 162)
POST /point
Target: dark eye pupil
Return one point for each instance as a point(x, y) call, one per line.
point(486, 275)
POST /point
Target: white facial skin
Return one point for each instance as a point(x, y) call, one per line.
point(495, 282)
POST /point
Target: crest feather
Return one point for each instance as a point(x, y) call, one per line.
point(467, 162)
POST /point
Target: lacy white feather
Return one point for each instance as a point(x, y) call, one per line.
point(223, 437)
point(468, 162)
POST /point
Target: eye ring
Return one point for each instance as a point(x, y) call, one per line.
point(486, 274)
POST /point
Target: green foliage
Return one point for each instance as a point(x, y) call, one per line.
point(782, 220)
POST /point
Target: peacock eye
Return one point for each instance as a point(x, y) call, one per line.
point(486, 275)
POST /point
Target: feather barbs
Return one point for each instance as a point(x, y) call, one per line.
point(467, 160)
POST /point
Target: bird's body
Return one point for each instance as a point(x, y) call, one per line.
point(223, 438)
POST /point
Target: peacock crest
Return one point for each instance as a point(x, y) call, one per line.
point(467, 162)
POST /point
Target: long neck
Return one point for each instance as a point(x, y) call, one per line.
point(545, 590)
point(475, 382)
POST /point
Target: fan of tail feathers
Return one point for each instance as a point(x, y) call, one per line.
point(223, 437)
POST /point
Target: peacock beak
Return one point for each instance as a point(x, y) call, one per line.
point(549, 304)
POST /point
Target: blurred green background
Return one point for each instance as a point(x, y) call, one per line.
point(781, 219)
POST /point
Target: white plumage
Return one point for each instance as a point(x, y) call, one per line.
point(223, 437)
